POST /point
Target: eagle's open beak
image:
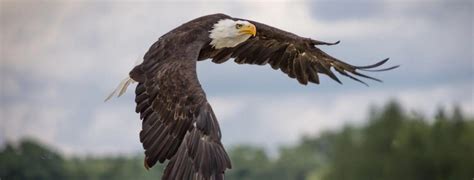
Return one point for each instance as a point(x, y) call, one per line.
point(248, 29)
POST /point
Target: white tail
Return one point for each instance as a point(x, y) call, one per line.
point(122, 87)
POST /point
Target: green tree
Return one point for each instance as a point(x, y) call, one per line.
point(393, 144)
point(248, 162)
point(30, 161)
point(396, 145)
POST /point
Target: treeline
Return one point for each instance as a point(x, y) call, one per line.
point(394, 144)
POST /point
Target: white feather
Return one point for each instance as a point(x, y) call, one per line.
point(122, 87)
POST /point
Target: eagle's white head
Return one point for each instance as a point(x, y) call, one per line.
point(230, 33)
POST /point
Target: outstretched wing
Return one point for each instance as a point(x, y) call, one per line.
point(178, 122)
point(294, 55)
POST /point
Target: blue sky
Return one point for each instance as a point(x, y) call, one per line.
point(59, 60)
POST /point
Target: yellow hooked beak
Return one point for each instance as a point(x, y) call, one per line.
point(248, 29)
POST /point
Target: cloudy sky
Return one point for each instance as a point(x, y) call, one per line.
point(59, 60)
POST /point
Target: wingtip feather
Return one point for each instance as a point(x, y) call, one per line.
point(372, 65)
point(378, 70)
point(316, 42)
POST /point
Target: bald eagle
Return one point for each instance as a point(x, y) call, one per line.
point(178, 123)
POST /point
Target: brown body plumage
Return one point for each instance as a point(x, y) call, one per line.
point(178, 122)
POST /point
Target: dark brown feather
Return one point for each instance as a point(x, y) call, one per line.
point(178, 122)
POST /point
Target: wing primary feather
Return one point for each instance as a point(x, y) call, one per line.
point(368, 77)
point(317, 42)
point(285, 59)
point(327, 71)
point(378, 70)
point(342, 72)
point(312, 74)
point(300, 70)
point(291, 67)
point(373, 65)
point(334, 77)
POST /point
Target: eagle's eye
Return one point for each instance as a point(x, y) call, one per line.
point(238, 26)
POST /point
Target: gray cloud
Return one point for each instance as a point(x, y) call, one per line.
point(344, 10)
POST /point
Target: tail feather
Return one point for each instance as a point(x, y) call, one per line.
point(121, 88)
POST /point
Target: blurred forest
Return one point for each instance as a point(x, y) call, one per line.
point(393, 144)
